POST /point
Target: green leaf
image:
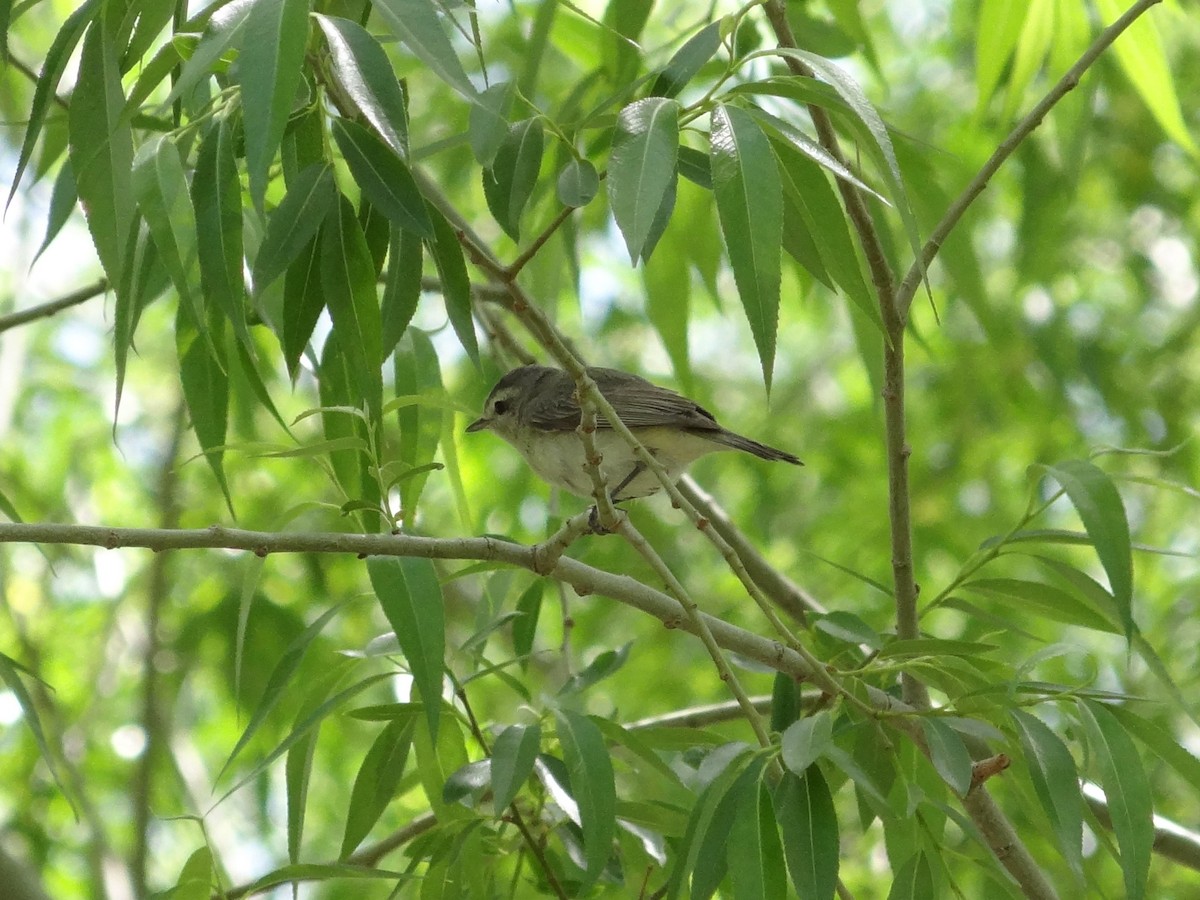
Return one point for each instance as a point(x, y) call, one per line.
point(806, 740)
point(217, 199)
point(280, 682)
point(513, 755)
point(1127, 790)
point(755, 856)
point(948, 754)
point(709, 851)
point(195, 878)
point(161, 188)
point(337, 392)
point(509, 182)
point(712, 810)
point(641, 169)
point(417, 373)
point(348, 280)
point(303, 300)
point(10, 676)
point(604, 665)
point(593, 788)
point(1140, 52)
point(524, 629)
point(668, 280)
point(101, 151)
point(298, 768)
point(366, 76)
point(402, 289)
point(1044, 600)
point(377, 781)
point(750, 204)
point(688, 60)
point(456, 285)
point(320, 873)
point(44, 91)
point(808, 822)
point(411, 598)
point(292, 226)
point(578, 183)
point(1056, 783)
point(205, 391)
point(416, 23)
point(1000, 23)
point(62, 203)
point(383, 177)
point(1098, 503)
point(487, 122)
point(914, 879)
point(269, 67)
point(1160, 742)
point(222, 32)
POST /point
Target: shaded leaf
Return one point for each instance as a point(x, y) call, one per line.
point(641, 169)
point(513, 755)
point(205, 391)
point(383, 176)
point(808, 822)
point(303, 300)
point(948, 754)
point(577, 183)
point(605, 664)
point(456, 285)
point(914, 879)
point(416, 23)
point(417, 373)
point(806, 740)
point(402, 289)
point(292, 225)
point(487, 123)
point(755, 855)
point(525, 628)
point(509, 182)
point(688, 60)
point(592, 786)
point(1056, 783)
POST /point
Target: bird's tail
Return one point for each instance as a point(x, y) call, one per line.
point(737, 442)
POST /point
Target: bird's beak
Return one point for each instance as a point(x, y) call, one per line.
point(479, 425)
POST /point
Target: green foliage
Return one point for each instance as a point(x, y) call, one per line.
point(325, 227)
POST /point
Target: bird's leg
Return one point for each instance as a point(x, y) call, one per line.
point(638, 468)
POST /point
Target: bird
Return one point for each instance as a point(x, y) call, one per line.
point(535, 408)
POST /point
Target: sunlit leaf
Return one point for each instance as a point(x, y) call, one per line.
point(592, 786)
point(641, 168)
point(1056, 783)
point(808, 823)
point(416, 23)
point(509, 182)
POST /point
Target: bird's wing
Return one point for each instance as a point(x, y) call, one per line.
point(638, 402)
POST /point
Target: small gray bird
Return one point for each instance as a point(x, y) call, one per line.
point(534, 408)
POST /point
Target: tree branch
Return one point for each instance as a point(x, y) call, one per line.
point(83, 294)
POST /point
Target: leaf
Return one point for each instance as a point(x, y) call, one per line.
point(383, 177)
point(593, 788)
point(1140, 52)
point(513, 755)
point(524, 629)
point(377, 780)
point(750, 205)
point(269, 67)
point(1000, 23)
point(10, 676)
point(416, 23)
point(314, 872)
point(217, 199)
point(411, 598)
point(641, 169)
point(604, 665)
point(336, 389)
point(195, 878)
point(487, 121)
point(292, 225)
point(57, 58)
point(1160, 742)
point(303, 300)
point(101, 151)
point(280, 681)
point(948, 754)
point(62, 203)
point(710, 848)
point(205, 392)
point(914, 879)
point(688, 60)
point(417, 372)
point(755, 855)
point(712, 809)
point(467, 785)
point(1056, 783)
point(366, 76)
point(161, 188)
point(578, 183)
point(1127, 790)
point(1036, 598)
point(456, 285)
point(402, 289)
point(808, 822)
point(1098, 503)
point(509, 182)
point(806, 740)
point(348, 281)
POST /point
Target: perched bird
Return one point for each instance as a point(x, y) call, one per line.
point(535, 409)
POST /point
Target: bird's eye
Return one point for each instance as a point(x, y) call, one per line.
point(501, 407)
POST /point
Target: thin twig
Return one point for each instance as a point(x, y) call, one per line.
point(50, 308)
point(514, 268)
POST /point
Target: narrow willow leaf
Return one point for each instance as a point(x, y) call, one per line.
point(161, 188)
point(402, 289)
point(467, 785)
point(524, 629)
point(377, 780)
point(578, 183)
point(383, 176)
point(57, 57)
point(808, 823)
point(338, 393)
point(303, 300)
point(365, 74)
point(487, 122)
point(297, 773)
point(292, 225)
point(605, 664)
point(437, 760)
point(711, 847)
point(416, 23)
point(914, 879)
point(62, 203)
point(1000, 23)
point(1048, 601)
point(592, 786)
point(1056, 783)
point(165, 61)
point(806, 740)
point(705, 814)
point(417, 372)
point(641, 169)
point(348, 280)
point(1160, 742)
point(755, 854)
point(152, 19)
point(411, 598)
point(668, 281)
point(195, 878)
point(272, 55)
point(1127, 790)
point(101, 151)
point(217, 199)
point(205, 391)
point(222, 34)
point(1098, 503)
point(513, 755)
point(948, 754)
point(456, 284)
point(300, 872)
point(509, 182)
point(280, 681)
point(749, 201)
point(11, 677)
point(688, 60)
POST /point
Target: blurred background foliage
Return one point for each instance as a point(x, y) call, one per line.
point(1066, 313)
